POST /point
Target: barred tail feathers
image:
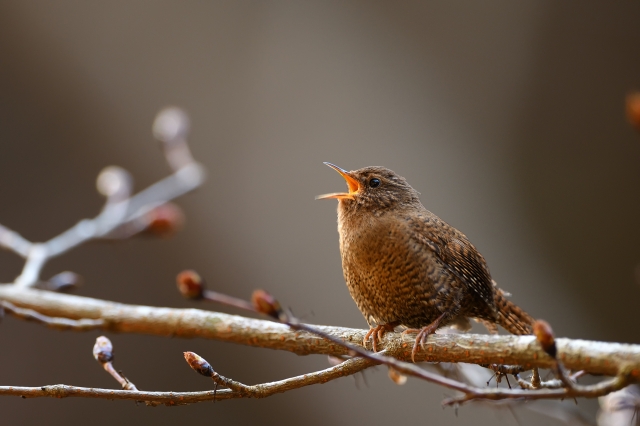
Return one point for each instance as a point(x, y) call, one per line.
point(511, 317)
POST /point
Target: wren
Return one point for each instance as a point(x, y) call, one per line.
point(405, 267)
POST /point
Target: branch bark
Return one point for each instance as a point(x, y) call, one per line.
point(593, 357)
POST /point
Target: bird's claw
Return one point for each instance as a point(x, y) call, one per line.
point(423, 333)
point(376, 334)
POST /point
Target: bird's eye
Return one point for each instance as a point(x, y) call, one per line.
point(374, 183)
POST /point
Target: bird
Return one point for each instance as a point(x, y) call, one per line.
point(407, 268)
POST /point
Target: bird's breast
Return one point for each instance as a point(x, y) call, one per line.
point(385, 270)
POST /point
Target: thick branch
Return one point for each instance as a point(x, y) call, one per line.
point(594, 357)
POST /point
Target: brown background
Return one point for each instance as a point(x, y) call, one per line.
point(507, 116)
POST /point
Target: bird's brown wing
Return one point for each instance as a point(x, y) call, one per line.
point(458, 255)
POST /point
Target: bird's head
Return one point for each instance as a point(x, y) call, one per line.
point(374, 189)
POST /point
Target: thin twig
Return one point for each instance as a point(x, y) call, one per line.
point(214, 296)
point(264, 390)
point(13, 241)
point(545, 384)
point(202, 366)
point(103, 353)
point(53, 322)
point(192, 286)
point(592, 391)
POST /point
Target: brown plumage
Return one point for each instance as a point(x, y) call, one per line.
point(404, 266)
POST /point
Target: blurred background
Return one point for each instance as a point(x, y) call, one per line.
point(508, 117)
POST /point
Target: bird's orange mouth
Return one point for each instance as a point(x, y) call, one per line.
point(353, 184)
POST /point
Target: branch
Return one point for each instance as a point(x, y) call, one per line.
point(266, 304)
point(53, 322)
point(120, 210)
point(11, 240)
point(591, 391)
point(264, 390)
point(103, 352)
point(594, 357)
point(191, 286)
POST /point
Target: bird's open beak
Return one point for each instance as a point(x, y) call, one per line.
point(353, 184)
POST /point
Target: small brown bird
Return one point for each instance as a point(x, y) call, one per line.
point(404, 266)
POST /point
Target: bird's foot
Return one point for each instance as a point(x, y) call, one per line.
point(423, 333)
point(376, 333)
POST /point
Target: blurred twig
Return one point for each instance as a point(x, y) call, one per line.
point(171, 127)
